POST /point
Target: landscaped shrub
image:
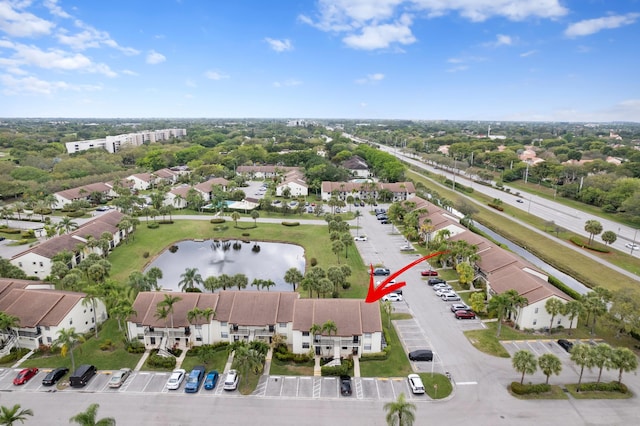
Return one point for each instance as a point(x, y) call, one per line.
point(217, 220)
point(313, 261)
point(175, 352)
point(153, 225)
point(338, 370)
point(495, 206)
point(165, 222)
point(107, 345)
point(581, 243)
point(378, 356)
point(220, 346)
point(134, 347)
point(604, 387)
point(28, 234)
point(290, 223)
point(346, 285)
point(173, 248)
point(522, 389)
point(158, 361)
point(11, 231)
point(246, 234)
point(260, 347)
point(14, 355)
point(145, 254)
point(77, 213)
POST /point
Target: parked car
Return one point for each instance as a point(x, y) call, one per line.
point(53, 376)
point(345, 385)
point(450, 297)
point(421, 355)
point(519, 200)
point(415, 383)
point(460, 307)
point(445, 290)
point(231, 381)
point(176, 378)
point(429, 273)
point(465, 314)
point(398, 291)
point(381, 271)
point(82, 375)
point(380, 282)
point(211, 380)
point(385, 222)
point(194, 379)
point(119, 377)
point(360, 238)
point(361, 203)
point(25, 375)
point(632, 246)
point(434, 281)
point(392, 297)
point(442, 286)
point(565, 344)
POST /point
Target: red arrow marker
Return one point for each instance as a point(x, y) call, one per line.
point(375, 294)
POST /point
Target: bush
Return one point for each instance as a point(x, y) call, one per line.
point(173, 248)
point(14, 355)
point(165, 222)
point(28, 234)
point(77, 213)
point(291, 223)
point(158, 361)
point(153, 225)
point(175, 352)
point(11, 231)
point(604, 387)
point(217, 220)
point(107, 345)
point(338, 370)
point(313, 261)
point(495, 206)
point(145, 254)
point(521, 389)
point(378, 356)
point(246, 234)
point(134, 347)
point(346, 285)
point(581, 243)
point(220, 346)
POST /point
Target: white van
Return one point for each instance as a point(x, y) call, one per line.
point(415, 383)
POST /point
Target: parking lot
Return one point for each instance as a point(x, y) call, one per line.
point(329, 387)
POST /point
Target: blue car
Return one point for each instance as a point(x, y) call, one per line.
point(211, 380)
point(195, 378)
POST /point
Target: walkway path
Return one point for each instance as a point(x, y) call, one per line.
point(23, 359)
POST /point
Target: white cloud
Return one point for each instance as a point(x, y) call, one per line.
point(458, 68)
point(215, 75)
point(279, 45)
point(129, 72)
point(373, 24)
point(287, 83)
point(501, 40)
point(381, 36)
point(18, 23)
point(528, 53)
point(35, 86)
point(592, 26)
point(154, 58)
point(28, 55)
point(55, 10)
point(90, 37)
point(371, 78)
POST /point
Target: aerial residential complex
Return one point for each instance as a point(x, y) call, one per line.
point(113, 143)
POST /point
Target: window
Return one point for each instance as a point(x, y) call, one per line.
point(367, 335)
point(535, 311)
point(41, 264)
point(224, 335)
point(46, 327)
point(367, 347)
point(198, 339)
point(271, 328)
point(20, 264)
point(305, 334)
point(223, 324)
point(49, 340)
point(70, 321)
point(84, 312)
point(305, 345)
point(559, 321)
point(92, 320)
point(282, 325)
point(535, 321)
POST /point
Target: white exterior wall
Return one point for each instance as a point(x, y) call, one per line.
point(34, 265)
point(171, 200)
point(60, 202)
point(297, 190)
point(360, 173)
point(298, 340)
point(139, 184)
point(535, 316)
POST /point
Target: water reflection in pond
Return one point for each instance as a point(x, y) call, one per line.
point(214, 258)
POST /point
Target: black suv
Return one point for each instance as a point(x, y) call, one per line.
point(345, 385)
point(565, 344)
point(434, 281)
point(381, 271)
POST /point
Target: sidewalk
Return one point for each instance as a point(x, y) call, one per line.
point(23, 359)
point(143, 359)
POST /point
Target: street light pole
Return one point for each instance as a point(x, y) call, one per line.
point(529, 209)
point(633, 244)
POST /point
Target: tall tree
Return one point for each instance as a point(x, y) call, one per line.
point(553, 307)
point(573, 309)
point(400, 412)
point(524, 362)
point(601, 354)
point(88, 418)
point(67, 340)
point(582, 355)
point(168, 302)
point(550, 364)
point(623, 360)
point(190, 278)
point(10, 416)
point(92, 293)
point(593, 227)
point(293, 276)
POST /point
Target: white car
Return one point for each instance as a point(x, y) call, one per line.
point(390, 282)
point(442, 287)
point(360, 238)
point(231, 381)
point(415, 383)
point(176, 378)
point(392, 297)
point(444, 291)
point(632, 246)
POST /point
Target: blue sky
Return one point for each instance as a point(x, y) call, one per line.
point(534, 60)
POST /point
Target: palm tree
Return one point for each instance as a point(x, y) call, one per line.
point(293, 276)
point(255, 215)
point(593, 227)
point(524, 362)
point(550, 364)
point(241, 281)
point(190, 278)
point(388, 308)
point(90, 299)
point(235, 216)
point(554, 307)
point(88, 418)
point(499, 303)
point(66, 225)
point(168, 303)
point(572, 309)
point(67, 339)
point(9, 416)
point(10, 323)
point(600, 357)
point(400, 412)
point(582, 355)
point(623, 359)
point(193, 315)
point(314, 331)
point(247, 360)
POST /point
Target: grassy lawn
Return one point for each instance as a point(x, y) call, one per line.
point(573, 390)
point(313, 238)
point(248, 383)
point(396, 365)
point(569, 261)
point(89, 352)
point(217, 362)
point(401, 316)
point(556, 392)
point(436, 385)
point(283, 368)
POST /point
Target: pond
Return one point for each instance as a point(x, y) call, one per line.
point(214, 258)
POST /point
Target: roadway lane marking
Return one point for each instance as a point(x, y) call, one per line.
point(466, 383)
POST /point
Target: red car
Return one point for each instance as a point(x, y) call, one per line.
point(465, 315)
point(429, 273)
point(24, 376)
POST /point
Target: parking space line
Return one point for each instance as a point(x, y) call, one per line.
point(317, 383)
point(148, 382)
point(358, 389)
